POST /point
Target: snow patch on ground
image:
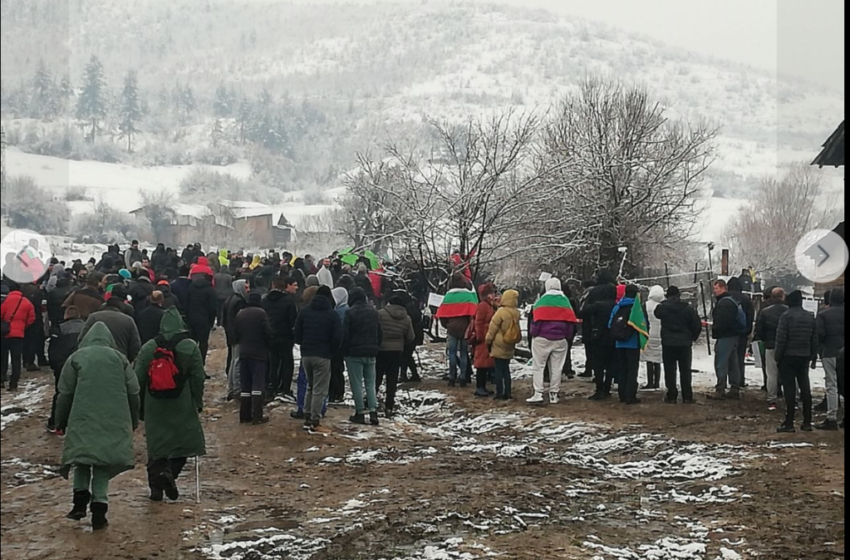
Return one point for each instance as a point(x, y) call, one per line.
point(23, 404)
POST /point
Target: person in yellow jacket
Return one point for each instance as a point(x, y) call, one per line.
point(222, 257)
point(502, 337)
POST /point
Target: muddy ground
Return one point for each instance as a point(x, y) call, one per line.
point(452, 477)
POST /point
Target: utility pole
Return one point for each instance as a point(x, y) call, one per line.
point(3, 169)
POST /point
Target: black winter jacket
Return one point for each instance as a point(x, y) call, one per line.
point(594, 319)
point(253, 334)
point(797, 334)
point(361, 331)
point(830, 323)
point(140, 292)
point(282, 309)
point(201, 304)
point(318, 329)
point(63, 343)
point(149, 321)
point(768, 322)
point(234, 304)
point(725, 318)
point(680, 323)
point(747, 306)
point(55, 298)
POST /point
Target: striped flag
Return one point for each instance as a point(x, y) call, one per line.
point(554, 307)
point(458, 302)
point(637, 321)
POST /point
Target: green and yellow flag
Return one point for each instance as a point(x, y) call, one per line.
point(637, 320)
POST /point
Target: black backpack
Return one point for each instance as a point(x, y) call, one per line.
point(621, 331)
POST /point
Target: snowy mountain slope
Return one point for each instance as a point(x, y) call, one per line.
point(393, 62)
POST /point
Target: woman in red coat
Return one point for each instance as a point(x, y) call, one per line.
point(19, 313)
point(483, 362)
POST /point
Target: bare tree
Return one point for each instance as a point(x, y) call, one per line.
point(626, 175)
point(765, 233)
point(158, 210)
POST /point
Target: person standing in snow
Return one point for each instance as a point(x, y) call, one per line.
point(483, 361)
point(796, 348)
point(455, 313)
point(396, 332)
point(336, 390)
point(554, 322)
point(361, 340)
point(253, 335)
point(501, 339)
point(651, 355)
point(627, 343)
point(766, 324)
point(680, 328)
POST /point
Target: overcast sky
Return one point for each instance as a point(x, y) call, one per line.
point(800, 38)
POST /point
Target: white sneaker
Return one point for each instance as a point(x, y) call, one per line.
point(553, 398)
point(536, 398)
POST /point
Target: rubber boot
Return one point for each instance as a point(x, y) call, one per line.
point(244, 409)
point(81, 505)
point(98, 515)
point(257, 417)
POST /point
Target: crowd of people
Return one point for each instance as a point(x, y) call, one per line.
point(129, 337)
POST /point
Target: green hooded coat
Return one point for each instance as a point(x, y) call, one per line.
point(172, 426)
point(98, 405)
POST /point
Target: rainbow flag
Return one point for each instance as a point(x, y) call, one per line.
point(458, 302)
point(554, 307)
point(638, 322)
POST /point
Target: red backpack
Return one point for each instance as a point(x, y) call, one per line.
point(165, 380)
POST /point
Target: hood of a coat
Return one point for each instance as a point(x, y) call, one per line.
point(171, 324)
point(241, 287)
point(340, 296)
point(357, 297)
point(397, 312)
point(313, 280)
point(510, 299)
point(656, 294)
point(58, 270)
point(98, 335)
point(255, 262)
point(321, 303)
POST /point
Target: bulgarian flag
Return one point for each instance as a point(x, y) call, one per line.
point(458, 302)
point(638, 322)
point(554, 306)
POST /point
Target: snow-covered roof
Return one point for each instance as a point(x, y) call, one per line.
point(192, 210)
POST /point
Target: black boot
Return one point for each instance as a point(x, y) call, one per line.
point(357, 419)
point(257, 410)
point(244, 409)
point(81, 505)
point(98, 515)
point(373, 418)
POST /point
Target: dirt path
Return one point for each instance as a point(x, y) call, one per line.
point(453, 477)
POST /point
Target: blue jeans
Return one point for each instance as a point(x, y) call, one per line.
point(301, 395)
point(457, 346)
point(726, 363)
point(503, 378)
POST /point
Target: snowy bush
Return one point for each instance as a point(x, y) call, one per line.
point(220, 155)
point(315, 198)
point(107, 225)
point(29, 206)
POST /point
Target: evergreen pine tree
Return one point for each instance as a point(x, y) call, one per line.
point(43, 100)
point(222, 105)
point(131, 109)
point(92, 104)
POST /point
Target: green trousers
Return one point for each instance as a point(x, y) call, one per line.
point(94, 479)
point(361, 371)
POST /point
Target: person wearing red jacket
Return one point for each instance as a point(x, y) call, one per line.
point(19, 313)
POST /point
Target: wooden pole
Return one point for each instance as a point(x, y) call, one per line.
point(724, 262)
point(667, 274)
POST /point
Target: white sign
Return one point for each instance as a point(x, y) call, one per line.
point(811, 306)
point(435, 300)
point(544, 276)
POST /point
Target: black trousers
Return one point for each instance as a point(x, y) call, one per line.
point(336, 389)
point(589, 349)
point(159, 471)
point(793, 373)
point(252, 376)
point(12, 348)
point(601, 360)
point(220, 315)
point(281, 368)
point(388, 365)
point(741, 354)
point(678, 358)
point(33, 351)
point(51, 422)
point(201, 335)
point(629, 362)
point(408, 362)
